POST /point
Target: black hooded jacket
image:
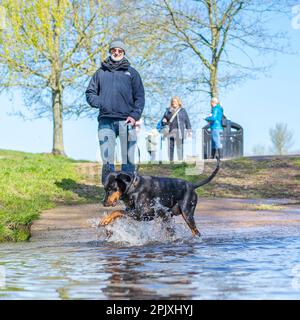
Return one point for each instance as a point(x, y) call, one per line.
point(117, 90)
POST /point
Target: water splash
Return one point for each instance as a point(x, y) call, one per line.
point(134, 232)
point(127, 231)
point(94, 222)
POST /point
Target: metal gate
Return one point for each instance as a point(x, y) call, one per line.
point(232, 140)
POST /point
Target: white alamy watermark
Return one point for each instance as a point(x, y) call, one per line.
point(2, 277)
point(141, 146)
point(296, 17)
point(295, 283)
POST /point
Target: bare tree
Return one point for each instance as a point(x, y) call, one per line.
point(259, 150)
point(222, 35)
point(281, 138)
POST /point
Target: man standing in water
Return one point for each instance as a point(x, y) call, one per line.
point(117, 90)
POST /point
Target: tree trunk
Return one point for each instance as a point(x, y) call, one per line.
point(58, 143)
point(213, 82)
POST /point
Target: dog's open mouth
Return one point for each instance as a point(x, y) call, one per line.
point(110, 204)
point(114, 203)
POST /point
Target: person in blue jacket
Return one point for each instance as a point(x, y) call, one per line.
point(117, 90)
point(215, 121)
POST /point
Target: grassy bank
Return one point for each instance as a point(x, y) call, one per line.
point(251, 177)
point(31, 183)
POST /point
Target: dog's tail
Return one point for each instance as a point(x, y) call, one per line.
point(207, 180)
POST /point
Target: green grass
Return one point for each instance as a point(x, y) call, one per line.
point(31, 183)
point(183, 172)
point(297, 162)
point(263, 207)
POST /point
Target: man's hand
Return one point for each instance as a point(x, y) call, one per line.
point(130, 121)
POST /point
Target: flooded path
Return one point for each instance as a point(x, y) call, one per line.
point(244, 253)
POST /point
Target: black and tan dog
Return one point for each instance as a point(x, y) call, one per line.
point(146, 197)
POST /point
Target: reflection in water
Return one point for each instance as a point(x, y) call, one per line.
point(253, 263)
point(140, 274)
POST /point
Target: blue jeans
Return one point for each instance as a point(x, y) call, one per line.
point(216, 139)
point(108, 131)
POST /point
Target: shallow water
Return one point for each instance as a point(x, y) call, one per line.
point(142, 261)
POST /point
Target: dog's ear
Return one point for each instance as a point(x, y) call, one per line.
point(124, 180)
point(109, 179)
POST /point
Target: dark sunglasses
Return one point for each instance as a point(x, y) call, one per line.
point(116, 50)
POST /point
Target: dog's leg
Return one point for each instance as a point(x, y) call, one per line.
point(191, 223)
point(187, 211)
point(111, 217)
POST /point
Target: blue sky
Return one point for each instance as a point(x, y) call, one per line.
point(255, 104)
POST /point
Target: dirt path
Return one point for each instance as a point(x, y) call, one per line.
point(74, 223)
